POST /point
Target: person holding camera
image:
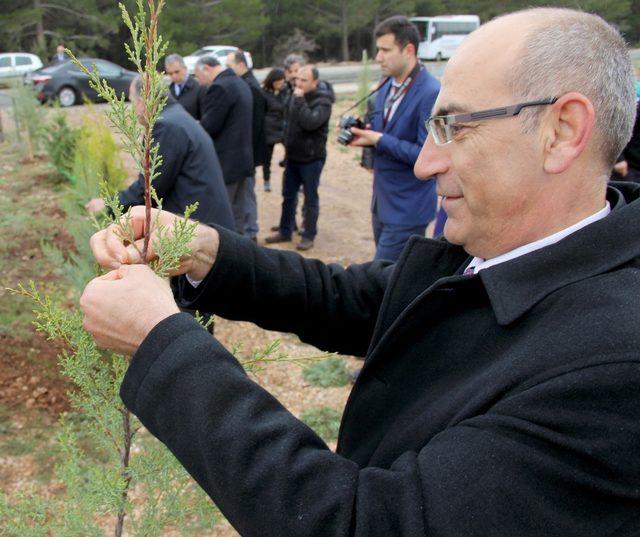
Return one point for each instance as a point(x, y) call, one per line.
point(305, 143)
point(402, 205)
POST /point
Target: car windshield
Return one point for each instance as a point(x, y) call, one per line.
point(201, 52)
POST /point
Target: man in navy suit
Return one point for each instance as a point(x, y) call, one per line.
point(402, 205)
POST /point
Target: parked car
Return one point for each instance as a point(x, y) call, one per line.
point(67, 83)
point(16, 64)
point(219, 51)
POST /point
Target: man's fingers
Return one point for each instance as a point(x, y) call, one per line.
point(114, 245)
point(116, 274)
point(101, 252)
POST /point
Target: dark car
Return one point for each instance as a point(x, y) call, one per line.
point(67, 83)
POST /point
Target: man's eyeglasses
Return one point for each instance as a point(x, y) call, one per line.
point(442, 127)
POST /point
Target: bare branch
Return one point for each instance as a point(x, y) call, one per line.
point(69, 10)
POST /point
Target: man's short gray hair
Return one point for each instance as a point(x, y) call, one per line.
point(293, 58)
point(211, 61)
point(174, 58)
point(574, 51)
point(138, 84)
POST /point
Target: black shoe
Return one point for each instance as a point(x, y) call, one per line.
point(278, 237)
point(304, 244)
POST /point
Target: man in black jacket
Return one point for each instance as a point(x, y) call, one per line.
point(190, 171)
point(183, 88)
point(499, 394)
point(227, 116)
point(238, 62)
point(305, 143)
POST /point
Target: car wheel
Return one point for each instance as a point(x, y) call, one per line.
point(67, 96)
point(439, 57)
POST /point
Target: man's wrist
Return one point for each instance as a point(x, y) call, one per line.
point(204, 252)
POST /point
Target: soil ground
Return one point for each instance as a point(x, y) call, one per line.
point(32, 393)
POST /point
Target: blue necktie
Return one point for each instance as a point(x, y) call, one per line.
point(178, 90)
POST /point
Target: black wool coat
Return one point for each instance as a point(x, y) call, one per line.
point(189, 173)
point(274, 118)
point(228, 118)
point(501, 404)
point(307, 127)
point(190, 96)
point(259, 111)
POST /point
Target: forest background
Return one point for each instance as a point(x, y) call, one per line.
point(326, 30)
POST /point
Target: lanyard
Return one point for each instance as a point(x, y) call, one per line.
point(402, 89)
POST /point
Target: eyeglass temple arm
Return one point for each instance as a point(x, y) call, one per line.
point(513, 110)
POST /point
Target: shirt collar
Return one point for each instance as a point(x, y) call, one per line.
point(477, 263)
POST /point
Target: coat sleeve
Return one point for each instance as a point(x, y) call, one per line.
point(328, 306)
point(310, 119)
point(535, 463)
point(215, 107)
point(172, 148)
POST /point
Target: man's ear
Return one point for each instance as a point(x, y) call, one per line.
point(566, 130)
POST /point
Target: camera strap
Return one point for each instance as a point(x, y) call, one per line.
point(382, 83)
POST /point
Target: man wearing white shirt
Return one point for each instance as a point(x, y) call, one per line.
point(184, 88)
point(503, 402)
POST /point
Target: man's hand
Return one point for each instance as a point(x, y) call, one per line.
point(111, 252)
point(121, 307)
point(297, 92)
point(364, 137)
point(95, 205)
point(621, 167)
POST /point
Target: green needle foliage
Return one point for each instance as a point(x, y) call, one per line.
point(99, 481)
point(364, 84)
point(28, 116)
point(60, 143)
point(91, 452)
point(331, 372)
point(96, 160)
point(323, 420)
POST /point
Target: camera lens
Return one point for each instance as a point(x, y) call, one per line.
point(345, 137)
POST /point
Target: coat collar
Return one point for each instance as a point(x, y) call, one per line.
point(515, 286)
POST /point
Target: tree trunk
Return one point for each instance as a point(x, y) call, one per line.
point(344, 23)
point(39, 25)
point(376, 21)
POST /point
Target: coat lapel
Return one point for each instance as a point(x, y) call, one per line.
point(406, 100)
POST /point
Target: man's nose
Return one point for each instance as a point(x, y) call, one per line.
point(378, 58)
point(432, 160)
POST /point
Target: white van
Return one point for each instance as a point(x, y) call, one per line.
point(441, 36)
point(16, 64)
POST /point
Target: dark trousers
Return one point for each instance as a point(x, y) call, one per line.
point(237, 198)
point(391, 238)
point(306, 174)
point(266, 167)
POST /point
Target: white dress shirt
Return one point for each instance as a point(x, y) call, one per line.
point(477, 263)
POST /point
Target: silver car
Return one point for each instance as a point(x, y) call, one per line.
point(17, 64)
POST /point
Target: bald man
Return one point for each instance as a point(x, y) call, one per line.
point(499, 393)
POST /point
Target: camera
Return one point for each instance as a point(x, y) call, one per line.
point(346, 122)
